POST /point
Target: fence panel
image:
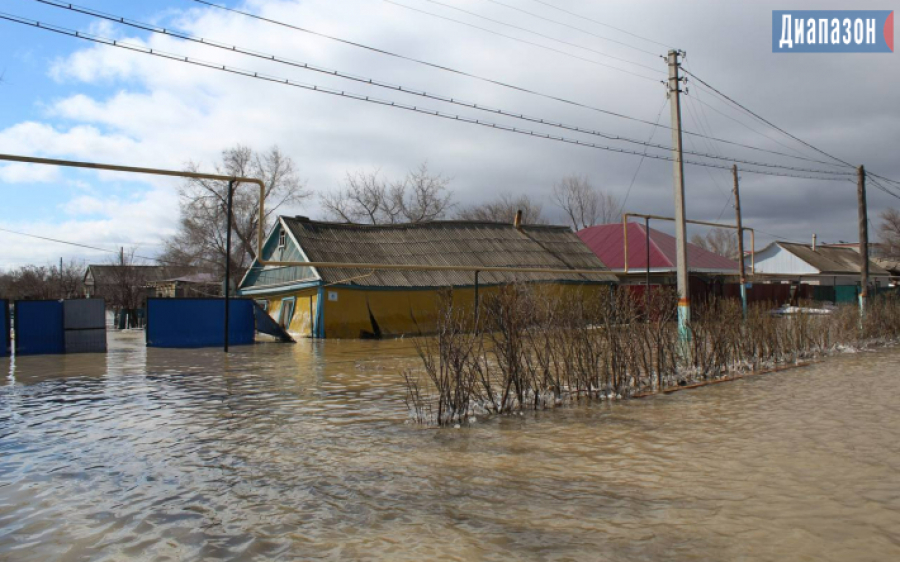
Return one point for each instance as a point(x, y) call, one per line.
point(4, 328)
point(85, 325)
point(39, 328)
point(194, 323)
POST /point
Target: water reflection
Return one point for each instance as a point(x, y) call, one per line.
point(302, 452)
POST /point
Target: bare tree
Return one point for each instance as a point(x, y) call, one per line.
point(583, 204)
point(889, 232)
point(422, 196)
point(200, 240)
point(43, 282)
point(366, 197)
point(126, 289)
point(503, 209)
point(721, 241)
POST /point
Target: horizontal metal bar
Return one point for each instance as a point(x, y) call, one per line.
point(658, 217)
point(260, 241)
point(154, 172)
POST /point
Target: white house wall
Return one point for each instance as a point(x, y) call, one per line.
point(778, 261)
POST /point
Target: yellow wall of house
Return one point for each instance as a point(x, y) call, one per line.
point(349, 311)
point(304, 310)
point(410, 312)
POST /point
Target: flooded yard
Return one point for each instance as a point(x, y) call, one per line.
point(303, 452)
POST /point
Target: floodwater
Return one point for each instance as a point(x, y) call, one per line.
point(302, 453)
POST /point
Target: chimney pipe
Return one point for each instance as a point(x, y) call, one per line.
point(814, 243)
point(518, 220)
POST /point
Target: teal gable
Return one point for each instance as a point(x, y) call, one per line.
point(280, 245)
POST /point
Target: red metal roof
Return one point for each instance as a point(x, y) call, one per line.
point(607, 241)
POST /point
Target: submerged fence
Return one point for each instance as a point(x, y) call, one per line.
point(533, 351)
point(84, 321)
point(193, 323)
point(50, 327)
point(39, 327)
point(4, 328)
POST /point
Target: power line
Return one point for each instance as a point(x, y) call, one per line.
point(532, 14)
point(766, 121)
point(549, 5)
point(86, 246)
point(641, 161)
point(760, 133)
point(394, 87)
point(532, 43)
point(369, 99)
point(495, 82)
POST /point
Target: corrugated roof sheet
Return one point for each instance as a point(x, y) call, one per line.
point(831, 259)
point(607, 241)
point(107, 273)
point(444, 243)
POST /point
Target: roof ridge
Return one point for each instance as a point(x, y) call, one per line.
point(353, 225)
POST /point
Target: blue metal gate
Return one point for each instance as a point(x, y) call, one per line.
point(4, 328)
point(198, 322)
point(39, 328)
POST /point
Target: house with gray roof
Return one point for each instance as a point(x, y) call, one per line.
point(354, 302)
point(815, 265)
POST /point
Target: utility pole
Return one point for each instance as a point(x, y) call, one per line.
point(684, 295)
point(740, 227)
point(62, 290)
point(863, 240)
point(229, 214)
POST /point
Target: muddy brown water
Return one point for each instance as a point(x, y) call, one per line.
point(302, 453)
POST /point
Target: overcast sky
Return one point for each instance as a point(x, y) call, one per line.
point(61, 97)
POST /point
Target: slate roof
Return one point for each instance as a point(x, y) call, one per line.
point(831, 259)
point(104, 273)
point(444, 243)
point(607, 241)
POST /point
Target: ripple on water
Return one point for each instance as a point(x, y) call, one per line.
point(302, 452)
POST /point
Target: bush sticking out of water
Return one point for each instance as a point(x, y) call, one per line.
point(531, 348)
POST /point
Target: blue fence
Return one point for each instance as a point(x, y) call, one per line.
point(198, 322)
point(39, 328)
point(4, 328)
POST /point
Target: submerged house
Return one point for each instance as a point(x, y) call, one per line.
point(818, 265)
point(353, 302)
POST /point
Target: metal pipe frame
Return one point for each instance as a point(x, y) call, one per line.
point(261, 235)
point(626, 216)
point(152, 172)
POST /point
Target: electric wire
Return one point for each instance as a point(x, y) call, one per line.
point(549, 5)
point(760, 133)
point(766, 121)
point(641, 161)
point(369, 99)
point(651, 53)
point(496, 82)
point(394, 87)
point(781, 130)
point(359, 97)
point(532, 43)
point(89, 247)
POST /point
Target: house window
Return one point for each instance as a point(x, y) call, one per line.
point(282, 239)
point(287, 313)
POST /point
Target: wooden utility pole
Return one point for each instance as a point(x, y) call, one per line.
point(684, 296)
point(740, 233)
point(863, 240)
